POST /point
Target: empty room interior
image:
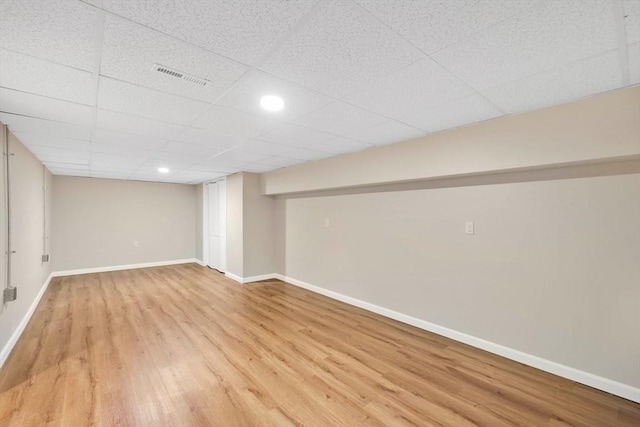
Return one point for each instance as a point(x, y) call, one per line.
point(320, 213)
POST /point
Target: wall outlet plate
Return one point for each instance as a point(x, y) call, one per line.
point(45, 258)
point(10, 294)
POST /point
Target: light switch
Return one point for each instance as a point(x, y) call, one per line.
point(468, 227)
point(327, 222)
point(135, 244)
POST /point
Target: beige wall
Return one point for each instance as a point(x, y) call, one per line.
point(258, 217)
point(199, 221)
point(593, 129)
point(552, 270)
point(235, 242)
point(29, 219)
point(250, 227)
point(96, 221)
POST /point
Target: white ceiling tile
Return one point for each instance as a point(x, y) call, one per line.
point(98, 168)
point(236, 123)
point(43, 140)
point(633, 55)
point(295, 136)
point(470, 109)
point(125, 123)
point(306, 154)
point(341, 145)
point(45, 128)
point(106, 167)
point(29, 74)
point(241, 29)
point(104, 136)
point(120, 150)
point(202, 150)
point(339, 118)
point(297, 100)
point(434, 24)
point(262, 147)
point(553, 34)
point(414, 88)
point(116, 160)
point(28, 104)
point(128, 98)
point(340, 49)
point(204, 137)
point(632, 20)
point(386, 133)
point(50, 154)
point(235, 156)
point(186, 159)
point(593, 75)
point(280, 162)
point(129, 52)
point(151, 166)
point(61, 31)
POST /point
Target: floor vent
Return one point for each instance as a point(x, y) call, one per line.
point(180, 75)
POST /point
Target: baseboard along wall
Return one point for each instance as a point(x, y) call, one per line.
point(586, 378)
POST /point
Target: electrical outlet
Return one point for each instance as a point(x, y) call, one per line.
point(136, 244)
point(45, 258)
point(10, 294)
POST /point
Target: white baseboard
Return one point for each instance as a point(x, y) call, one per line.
point(595, 381)
point(200, 262)
point(124, 267)
point(4, 354)
point(250, 278)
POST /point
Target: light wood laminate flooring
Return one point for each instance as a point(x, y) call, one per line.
point(185, 346)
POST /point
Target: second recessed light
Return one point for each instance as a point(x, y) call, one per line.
point(271, 103)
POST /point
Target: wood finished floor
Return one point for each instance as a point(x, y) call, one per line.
point(185, 346)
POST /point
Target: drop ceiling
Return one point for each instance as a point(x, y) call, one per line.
point(79, 86)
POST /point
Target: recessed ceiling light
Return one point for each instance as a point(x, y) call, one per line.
point(272, 103)
point(163, 170)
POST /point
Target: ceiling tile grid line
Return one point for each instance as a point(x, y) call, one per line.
point(164, 34)
point(621, 38)
point(98, 38)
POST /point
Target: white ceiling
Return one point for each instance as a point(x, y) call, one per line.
point(77, 84)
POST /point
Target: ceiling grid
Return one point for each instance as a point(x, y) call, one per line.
point(78, 83)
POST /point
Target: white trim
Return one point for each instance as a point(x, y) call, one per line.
point(234, 277)
point(258, 278)
point(253, 278)
point(200, 262)
point(4, 354)
point(123, 267)
point(595, 381)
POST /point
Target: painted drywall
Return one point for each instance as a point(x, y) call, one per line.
point(235, 243)
point(30, 222)
point(250, 227)
point(258, 229)
point(280, 235)
point(552, 270)
point(199, 222)
point(96, 221)
point(593, 129)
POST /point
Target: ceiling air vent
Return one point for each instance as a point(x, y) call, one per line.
point(180, 75)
